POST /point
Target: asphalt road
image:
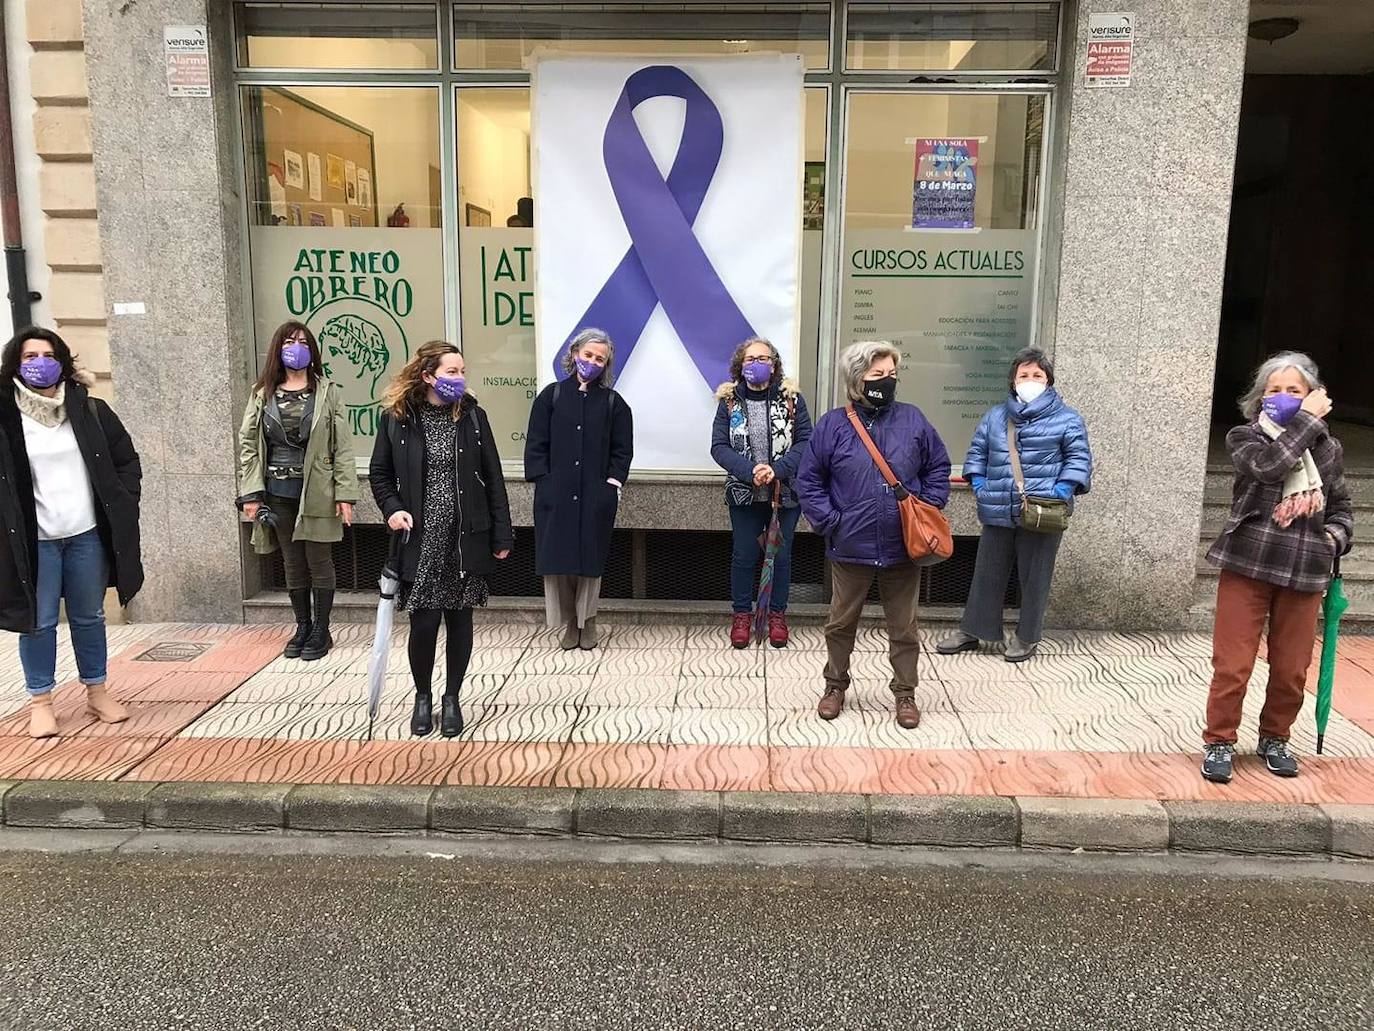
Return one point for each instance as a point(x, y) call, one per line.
point(550, 938)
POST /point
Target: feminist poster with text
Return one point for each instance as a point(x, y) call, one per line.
point(945, 183)
point(668, 200)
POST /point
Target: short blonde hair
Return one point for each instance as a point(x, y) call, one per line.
point(858, 358)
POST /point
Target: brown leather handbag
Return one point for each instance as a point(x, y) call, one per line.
point(925, 530)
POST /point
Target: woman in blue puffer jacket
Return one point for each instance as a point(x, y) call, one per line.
point(1052, 442)
point(846, 500)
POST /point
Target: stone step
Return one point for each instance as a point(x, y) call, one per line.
point(1360, 483)
point(1359, 589)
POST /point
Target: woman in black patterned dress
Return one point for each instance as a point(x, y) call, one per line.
point(436, 476)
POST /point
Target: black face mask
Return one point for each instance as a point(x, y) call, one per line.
point(880, 392)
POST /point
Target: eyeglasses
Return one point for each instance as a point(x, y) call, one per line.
point(758, 361)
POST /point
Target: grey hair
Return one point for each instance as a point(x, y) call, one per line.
point(858, 358)
point(1305, 366)
point(584, 337)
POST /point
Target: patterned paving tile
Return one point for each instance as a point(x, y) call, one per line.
point(792, 728)
point(722, 663)
point(550, 662)
point(553, 723)
point(716, 768)
point(1013, 695)
point(69, 708)
point(713, 693)
point(719, 727)
point(148, 719)
point(253, 760)
point(95, 758)
point(939, 730)
point(561, 689)
point(288, 720)
point(930, 772)
point(1064, 669)
point(644, 726)
point(795, 694)
point(707, 637)
point(303, 689)
point(1114, 732)
point(609, 690)
point(505, 763)
point(1156, 669)
point(502, 660)
point(1077, 699)
point(805, 638)
point(1031, 731)
point(177, 687)
point(389, 762)
point(502, 635)
point(611, 766)
point(393, 720)
point(628, 662)
point(969, 666)
point(641, 636)
point(1102, 645)
point(340, 660)
point(832, 769)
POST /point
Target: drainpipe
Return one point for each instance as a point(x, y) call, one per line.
point(16, 265)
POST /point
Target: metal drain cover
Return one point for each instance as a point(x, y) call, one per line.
point(173, 651)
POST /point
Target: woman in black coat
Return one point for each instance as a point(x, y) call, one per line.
point(577, 452)
point(436, 476)
point(69, 487)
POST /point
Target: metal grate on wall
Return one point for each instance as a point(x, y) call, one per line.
point(682, 565)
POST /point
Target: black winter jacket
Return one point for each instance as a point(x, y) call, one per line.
point(116, 477)
point(397, 477)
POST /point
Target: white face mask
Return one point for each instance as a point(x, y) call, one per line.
point(1029, 389)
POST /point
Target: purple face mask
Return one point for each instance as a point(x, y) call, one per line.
point(450, 388)
point(757, 374)
point(1280, 407)
point(588, 370)
point(295, 356)
point(41, 372)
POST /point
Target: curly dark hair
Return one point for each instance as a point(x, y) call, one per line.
point(9, 358)
point(737, 361)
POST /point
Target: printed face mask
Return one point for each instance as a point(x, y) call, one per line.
point(880, 392)
point(757, 374)
point(295, 356)
point(1029, 389)
point(450, 388)
point(41, 372)
point(1280, 407)
point(588, 370)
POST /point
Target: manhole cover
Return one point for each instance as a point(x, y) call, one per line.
point(173, 651)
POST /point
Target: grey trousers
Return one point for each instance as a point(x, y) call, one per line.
point(1034, 554)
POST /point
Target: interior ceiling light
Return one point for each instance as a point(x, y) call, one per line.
point(1271, 30)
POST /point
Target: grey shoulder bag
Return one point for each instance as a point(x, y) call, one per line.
point(1038, 515)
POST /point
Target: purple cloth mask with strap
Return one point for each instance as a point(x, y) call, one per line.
point(1280, 407)
point(666, 263)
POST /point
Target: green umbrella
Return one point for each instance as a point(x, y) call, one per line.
point(1333, 607)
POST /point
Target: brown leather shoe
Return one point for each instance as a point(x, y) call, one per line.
point(831, 703)
point(908, 716)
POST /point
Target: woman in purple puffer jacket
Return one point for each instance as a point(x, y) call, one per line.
point(845, 499)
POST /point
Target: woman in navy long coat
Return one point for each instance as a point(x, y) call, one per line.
point(578, 451)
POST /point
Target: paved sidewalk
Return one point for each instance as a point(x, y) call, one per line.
point(1094, 716)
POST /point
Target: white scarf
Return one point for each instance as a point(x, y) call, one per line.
point(1302, 487)
point(46, 411)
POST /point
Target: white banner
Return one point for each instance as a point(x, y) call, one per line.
point(678, 268)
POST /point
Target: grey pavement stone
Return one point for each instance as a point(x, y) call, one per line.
point(368, 808)
point(98, 804)
point(793, 816)
point(220, 807)
point(509, 810)
point(1352, 829)
point(952, 820)
point(5, 787)
point(1251, 827)
point(1114, 824)
point(648, 813)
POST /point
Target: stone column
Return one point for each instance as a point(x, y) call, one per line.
point(1147, 194)
point(177, 370)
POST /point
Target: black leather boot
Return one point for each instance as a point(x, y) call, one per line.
point(451, 718)
point(319, 642)
point(422, 716)
point(300, 605)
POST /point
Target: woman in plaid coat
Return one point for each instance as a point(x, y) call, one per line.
point(1290, 519)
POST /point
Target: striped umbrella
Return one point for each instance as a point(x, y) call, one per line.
point(771, 542)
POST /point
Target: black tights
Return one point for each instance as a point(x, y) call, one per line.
point(424, 637)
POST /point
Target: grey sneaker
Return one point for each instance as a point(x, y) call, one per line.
point(588, 638)
point(1019, 651)
point(1277, 758)
point(570, 637)
point(1216, 763)
point(957, 642)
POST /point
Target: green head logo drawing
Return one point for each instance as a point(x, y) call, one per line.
point(362, 346)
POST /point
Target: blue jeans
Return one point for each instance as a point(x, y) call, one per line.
point(75, 569)
point(750, 522)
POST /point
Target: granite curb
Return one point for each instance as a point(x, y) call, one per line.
point(1132, 826)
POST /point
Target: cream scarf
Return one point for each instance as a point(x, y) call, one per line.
point(1302, 487)
point(46, 411)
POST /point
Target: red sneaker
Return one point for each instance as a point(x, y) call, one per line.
point(741, 628)
point(777, 629)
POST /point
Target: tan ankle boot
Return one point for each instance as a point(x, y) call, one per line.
point(42, 723)
point(104, 708)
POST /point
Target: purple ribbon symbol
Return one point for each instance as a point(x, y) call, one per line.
point(665, 263)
